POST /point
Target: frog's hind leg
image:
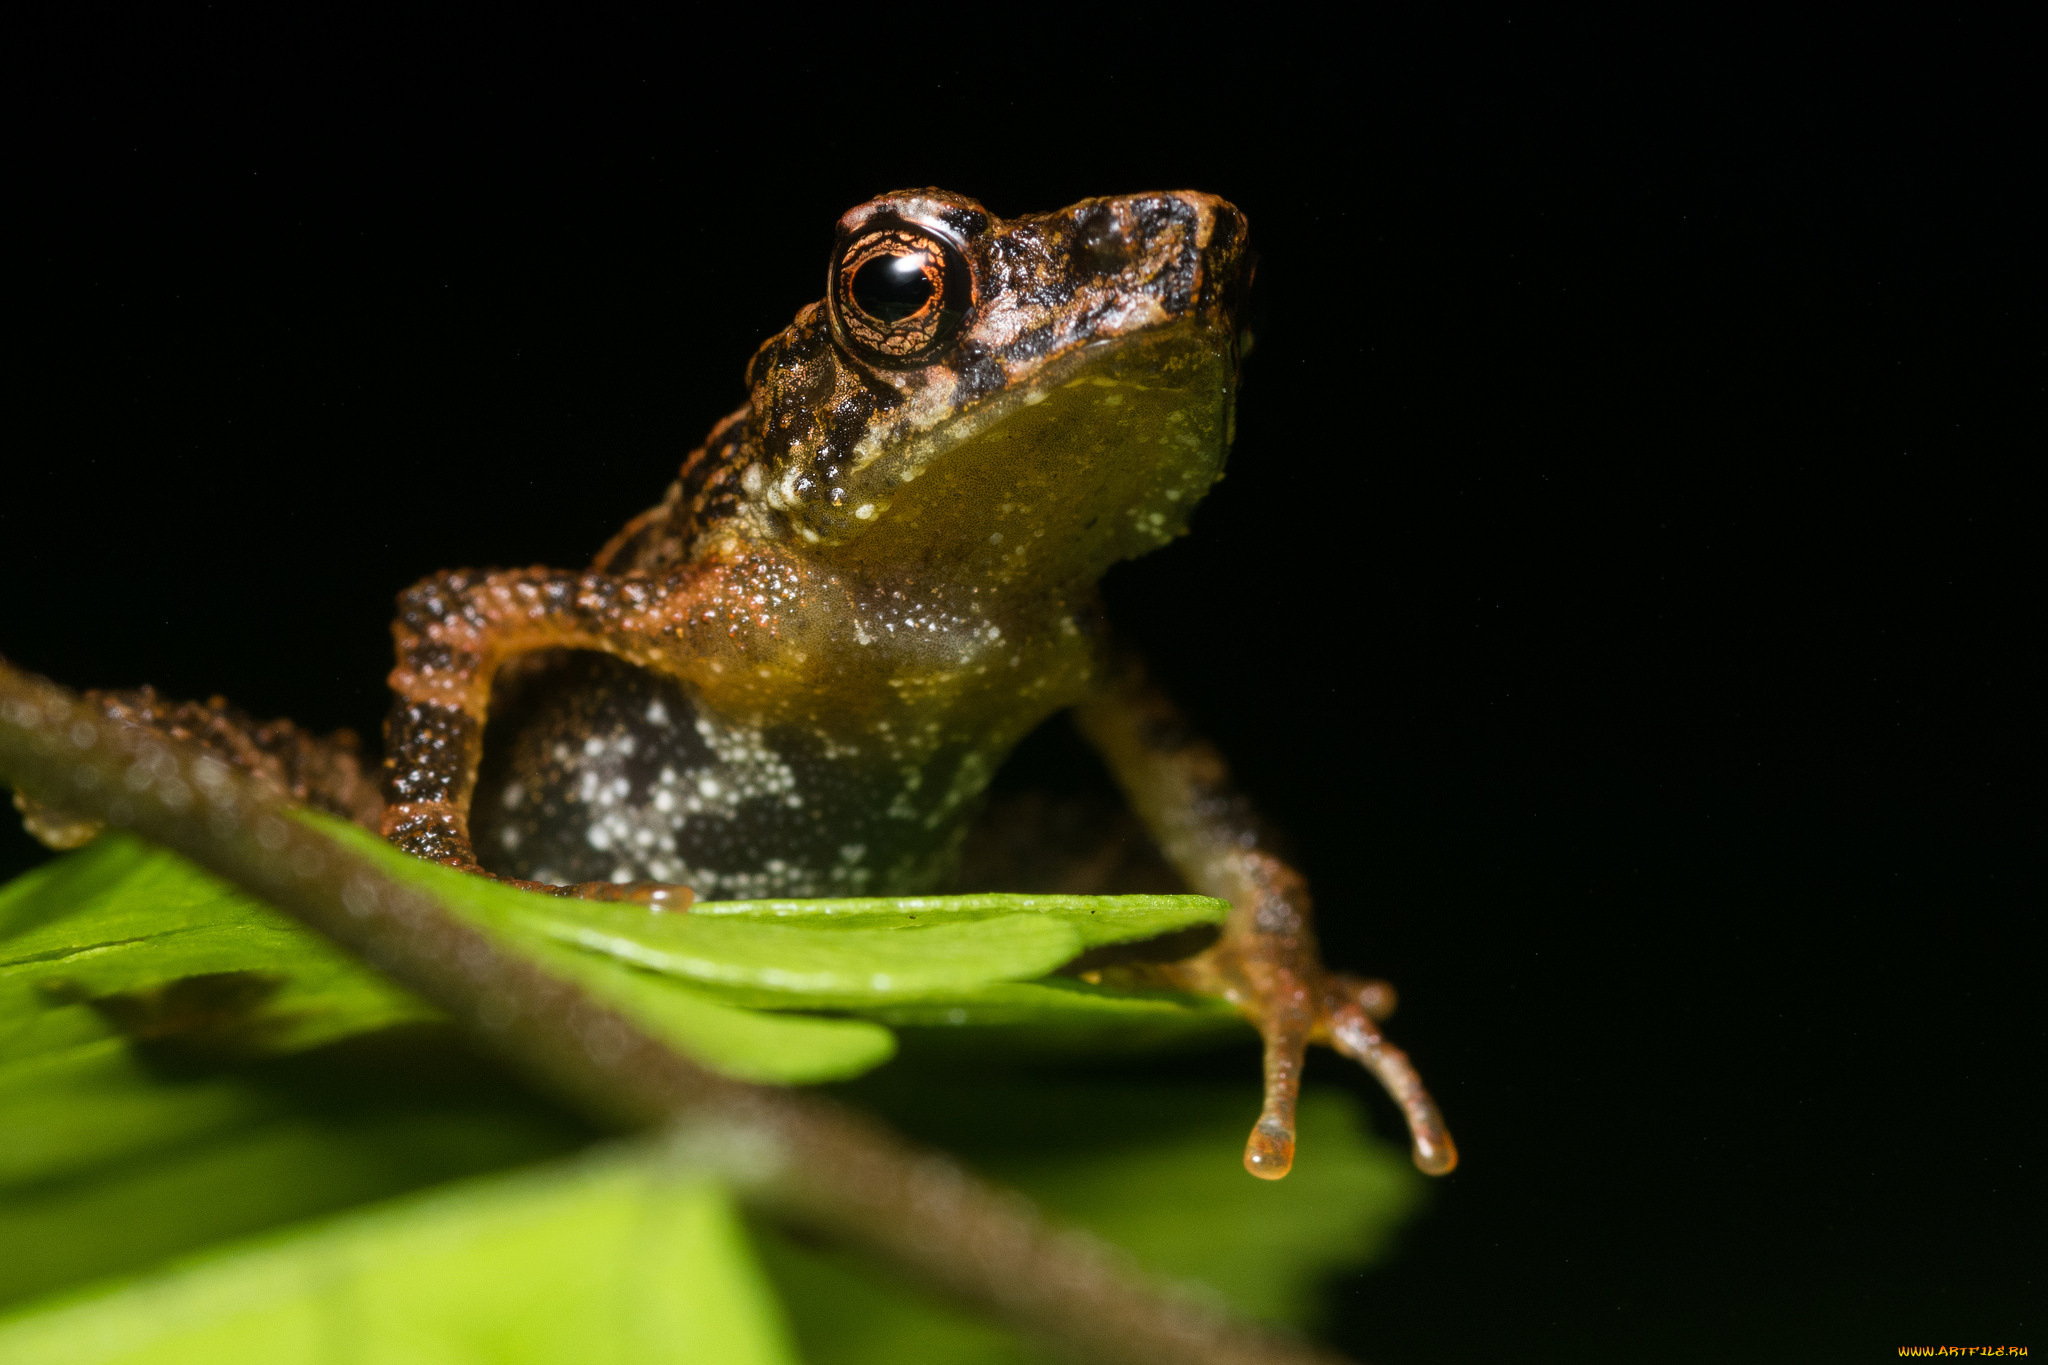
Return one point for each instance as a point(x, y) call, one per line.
point(1267, 962)
point(325, 772)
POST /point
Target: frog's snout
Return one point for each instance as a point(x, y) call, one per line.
point(1185, 249)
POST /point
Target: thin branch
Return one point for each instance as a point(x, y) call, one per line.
point(800, 1159)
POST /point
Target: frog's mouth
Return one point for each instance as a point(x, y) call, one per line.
point(1097, 456)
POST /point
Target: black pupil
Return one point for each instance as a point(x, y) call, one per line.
point(891, 288)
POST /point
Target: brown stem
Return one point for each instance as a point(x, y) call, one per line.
point(801, 1159)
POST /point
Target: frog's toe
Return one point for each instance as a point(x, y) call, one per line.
point(1346, 1014)
point(1347, 1021)
point(1269, 1153)
point(1377, 998)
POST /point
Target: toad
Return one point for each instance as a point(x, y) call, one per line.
point(796, 674)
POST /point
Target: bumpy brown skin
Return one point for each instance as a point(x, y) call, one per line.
point(868, 584)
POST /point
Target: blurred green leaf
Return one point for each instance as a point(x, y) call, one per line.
point(1152, 1168)
point(116, 1155)
point(623, 1260)
point(138, 998)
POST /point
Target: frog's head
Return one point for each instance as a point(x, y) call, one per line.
point(1037, 397)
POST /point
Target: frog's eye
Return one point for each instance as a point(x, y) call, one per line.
point(899, 292)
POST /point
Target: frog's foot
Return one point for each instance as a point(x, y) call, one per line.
point(1292, 1009)
point(1266, 964)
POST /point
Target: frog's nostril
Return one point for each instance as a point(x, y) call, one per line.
point(1101, 247)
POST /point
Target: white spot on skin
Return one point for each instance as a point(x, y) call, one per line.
point(864, 512)
point(657, 714)
point(634, 823)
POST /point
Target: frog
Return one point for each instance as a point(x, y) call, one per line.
point(797, 672)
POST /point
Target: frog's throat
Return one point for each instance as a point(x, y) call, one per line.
point(1098, 456)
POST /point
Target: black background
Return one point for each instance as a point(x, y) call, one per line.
point(1620, 590)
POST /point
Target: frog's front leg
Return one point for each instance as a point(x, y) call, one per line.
point(453, 632)
point(1266, 963)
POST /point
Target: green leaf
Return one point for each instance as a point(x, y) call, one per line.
point(1061, 1016)
point(116, 1158)
point(803, 965)
point(79, 1108)
point(614, 1260)
point(119, 922)
point(820, 953)
point(1153, 1168)
point(1055, 1000)
point(122, 939)
point(1098, 919)
point(1172, 1190)
point(749, 1045)
point(129, 981)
